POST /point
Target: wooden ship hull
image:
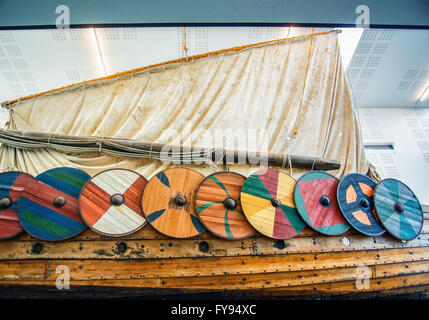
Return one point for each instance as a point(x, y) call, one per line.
point(149, 264)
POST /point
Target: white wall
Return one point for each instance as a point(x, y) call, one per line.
point(408, 130)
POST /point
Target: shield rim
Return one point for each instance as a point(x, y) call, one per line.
point(69, 237)
point(202, 222)
point(309, 225)
point(17, 206)
point(271, 237)
point(140, 203)
point(167, 235)
point(347, 219)
point(418, 201)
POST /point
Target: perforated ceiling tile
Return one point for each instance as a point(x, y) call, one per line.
point(32, 87)
point(412, 122)
point(59, 35)
point(376, 134)
point(417, 85)
point(380, 48)
point(73, 75)
point(357, 61)
point(426, 156)
point(129, 33)
point(112, 34)
point(373, 61)
point(353, 73)
point(423, 145)
point(408, 112)
point(386, 35)
point(367, 74)
point(424, 74)
point(369, 35)
point(2, 54)
point(202, 33)
point(19, 64)
point(200, 46)
point(371, 123)
point(5, 65)
point(410, 74)
point(391, 171)
point(403, 85)
point(363, 48)
point(10, 76)
point(256, 33)
point(76, 34)
point(25, 76)
point(6, 36)
point(361, 85)
point(17, 88)
point(88, 75)
point(418, 133)
point(13, 50)
point(357, 95)
point(424, 122)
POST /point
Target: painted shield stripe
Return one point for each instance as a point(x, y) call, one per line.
point(118, 220)
point(45, 216)
point(196, 223)
point(154, 215)
point(106, 216)
point(45, 197)
point(11, 185)
point(202, 207)
point(60, 181)
point(162, 193)
point(216, 180)
point(94, 200)
point(133, 195)
point(309, 189)
point(163, 178)
point(406, 225)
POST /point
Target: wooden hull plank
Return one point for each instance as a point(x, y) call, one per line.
point(218, 205)
point(208, 266)
point(99, 209)
point(173, 248)
point(38, 213)
point(315, 197)
point(399, 209)
point(355, 195)
point(267, 201)
point(268, 280)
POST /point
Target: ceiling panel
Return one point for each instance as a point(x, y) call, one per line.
point(32, 61)
point(37, 60)
point(390, 68)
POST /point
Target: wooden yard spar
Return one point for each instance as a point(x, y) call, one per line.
point(139, 149)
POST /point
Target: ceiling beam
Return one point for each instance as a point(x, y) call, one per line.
point(24, 14)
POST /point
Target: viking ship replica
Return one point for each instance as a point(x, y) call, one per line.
point(236, 173)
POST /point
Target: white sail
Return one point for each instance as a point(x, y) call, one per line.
point(288, 96)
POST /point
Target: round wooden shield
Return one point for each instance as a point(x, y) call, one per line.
point(398, 209)
point(267, 202)
point(218, 205)
point(168, 202)
point(316, 201)
point(48, 206)
point(355, 196)
point(110, 202)
point(11, 186)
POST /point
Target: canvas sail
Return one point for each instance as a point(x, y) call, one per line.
point(284, 97)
